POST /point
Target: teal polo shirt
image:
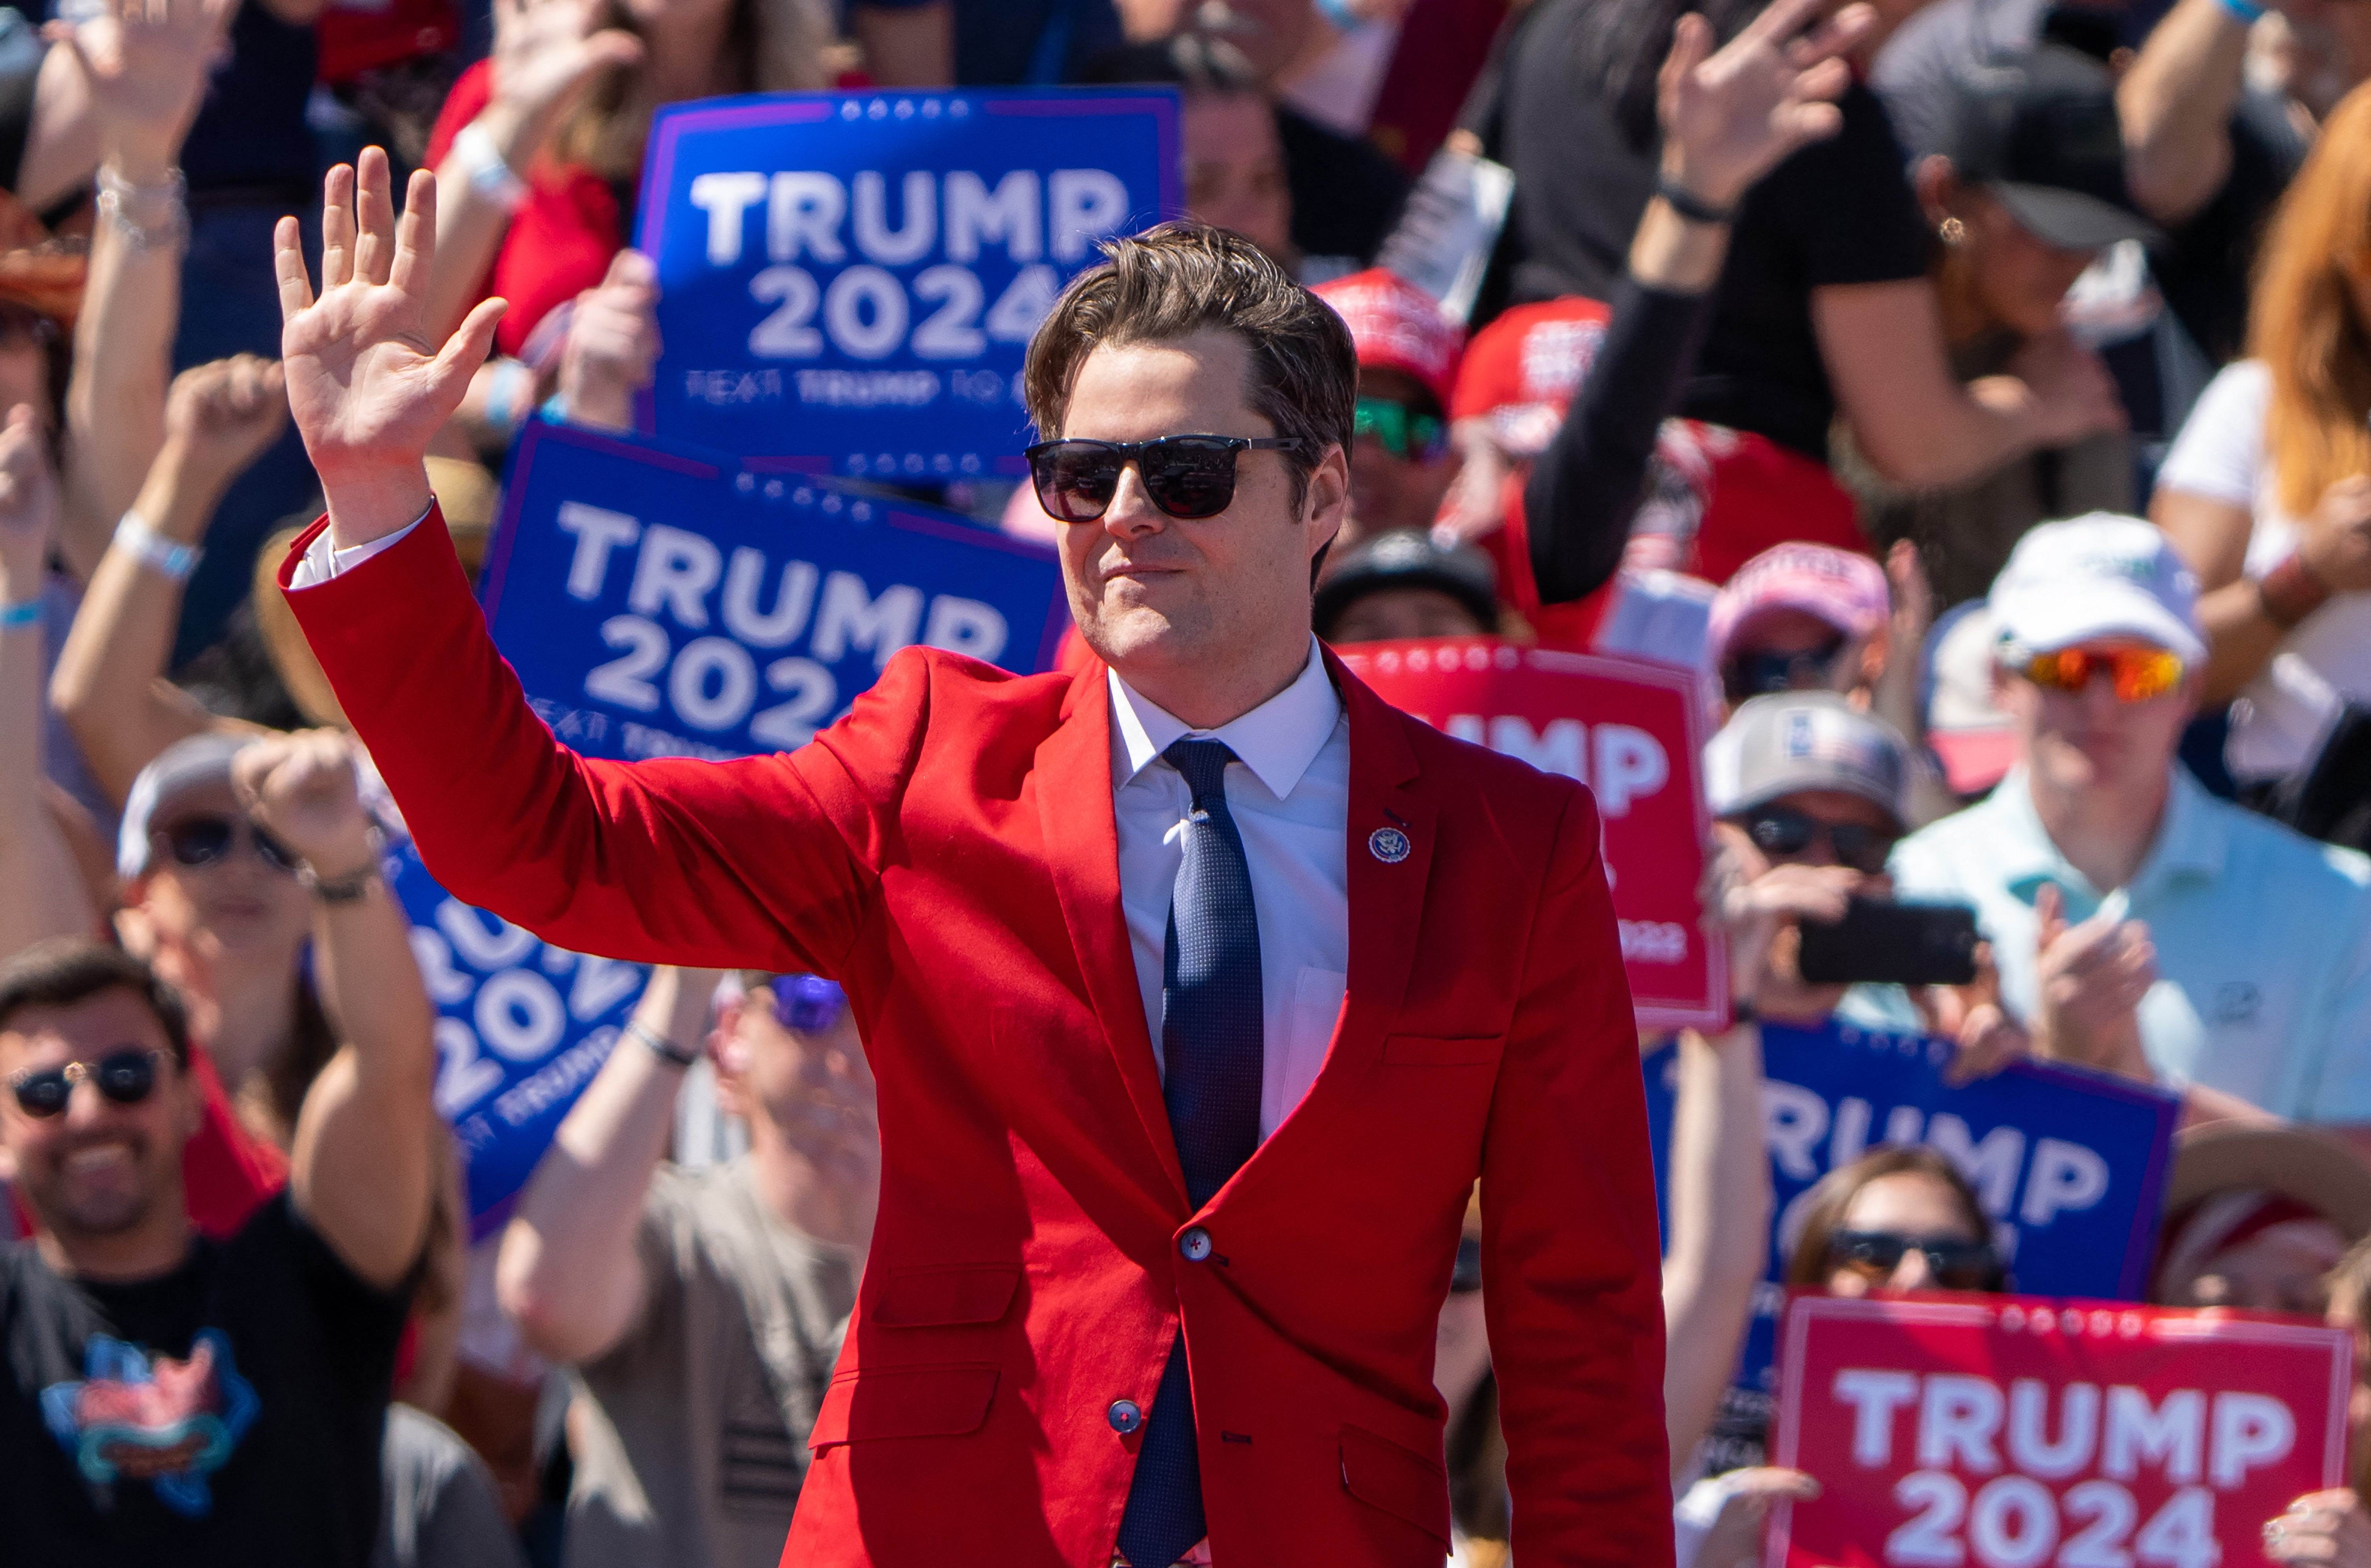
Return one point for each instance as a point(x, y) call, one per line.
point(2264, 938)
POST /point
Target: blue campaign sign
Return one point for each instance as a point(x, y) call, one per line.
point(849, 280)
point(521, 1029)
point(2070, 1165)
point(660, 601)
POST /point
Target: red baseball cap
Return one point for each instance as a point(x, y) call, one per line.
point(1397, 326)
point(1521, 371)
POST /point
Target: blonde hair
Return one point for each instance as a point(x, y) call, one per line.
point(2304, 323)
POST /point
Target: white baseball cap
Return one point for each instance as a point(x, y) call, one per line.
point(2099, 575)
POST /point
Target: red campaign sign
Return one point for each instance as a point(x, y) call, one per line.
point(2019, 1432)
point(1633, 732)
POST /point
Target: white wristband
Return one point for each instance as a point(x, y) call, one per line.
point(143, 544)
point(488, 174)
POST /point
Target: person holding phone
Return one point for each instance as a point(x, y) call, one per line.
point(2142, 925)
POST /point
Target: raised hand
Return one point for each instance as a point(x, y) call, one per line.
point(146, 62)
point(29, 502)
point(303, 788)
point(613, 342)
point(2091, 978)
point(223, 413)
point(547, 52)
point(1731, 117)
point(367, 388)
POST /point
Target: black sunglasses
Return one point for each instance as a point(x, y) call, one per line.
point(1186, 476)
point(1876, 1254)
point(204, 840)
point(1759, 674)
point(125, 1077)
point(1782, 832)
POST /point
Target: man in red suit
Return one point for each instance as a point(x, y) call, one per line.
point(1201, 986)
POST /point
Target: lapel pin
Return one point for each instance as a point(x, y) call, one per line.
point(1388, 845)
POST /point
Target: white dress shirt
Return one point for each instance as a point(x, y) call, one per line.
point(1290, 795)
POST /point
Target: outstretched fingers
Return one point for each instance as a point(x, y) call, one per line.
point(465, 351)
point(415, 237)
point(375, 209)
point(1691, 45)
point(1780, 22)
point(1835, 36)
point(288, 266)
point(337, 226)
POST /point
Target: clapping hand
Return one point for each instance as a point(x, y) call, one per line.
point(303, 790)
point(1728, 117)
point(223, 413)
point(2092, 977)
point(29, 502)
point(146, 62)
point(367, 388)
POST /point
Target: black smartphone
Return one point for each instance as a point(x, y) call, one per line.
point(1901, 944)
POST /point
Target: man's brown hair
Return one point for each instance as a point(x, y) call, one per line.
point(1177, 279)
point(65, 970)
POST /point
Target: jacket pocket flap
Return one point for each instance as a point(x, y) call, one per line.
point(1433, 1050)
point(904, 1402)
point(917, 1299)
point(1401, 1483)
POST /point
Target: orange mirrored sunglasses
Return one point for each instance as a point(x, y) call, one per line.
point(2138, 673)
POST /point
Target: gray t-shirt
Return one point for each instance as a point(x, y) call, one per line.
point(437, 1504)
point(692, 1431)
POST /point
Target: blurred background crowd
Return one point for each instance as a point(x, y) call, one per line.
point(1998, 461)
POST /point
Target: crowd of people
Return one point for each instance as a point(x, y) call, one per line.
point(1971, 393)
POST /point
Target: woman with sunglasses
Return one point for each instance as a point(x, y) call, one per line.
point(1898, 1219)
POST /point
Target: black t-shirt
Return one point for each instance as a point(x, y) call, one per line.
point(229, 1413)
point(1579, 181)
point(1839, 212)
point(2204, 269)
point(1345, 193)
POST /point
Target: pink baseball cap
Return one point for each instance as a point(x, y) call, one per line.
point(1397, 327)
point(1844, 589)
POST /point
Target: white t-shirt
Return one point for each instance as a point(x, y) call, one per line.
point(2279, 721)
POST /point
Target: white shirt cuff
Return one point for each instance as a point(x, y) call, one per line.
point(322, 562)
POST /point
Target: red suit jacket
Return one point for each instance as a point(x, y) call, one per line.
point(947, 853)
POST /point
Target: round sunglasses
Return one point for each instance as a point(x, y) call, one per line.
point(200, 841)
point(124, 1077)
point(1187, 477)
point(1784, 833)
point(1954, 1265)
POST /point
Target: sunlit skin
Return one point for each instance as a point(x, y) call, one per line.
point(1234, 168)
point(2092, 744)
point(1393, 614)
point(1389, 492)
point(103, 1180)
point(1207, 618)
point(1908, 1203)
point(1461, 1353)
point(25, 376)
point(2279, 1269)
point(811, 1095)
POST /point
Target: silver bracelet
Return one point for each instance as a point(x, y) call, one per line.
point(118, 197)
point(144, 545)
point(660, 1046)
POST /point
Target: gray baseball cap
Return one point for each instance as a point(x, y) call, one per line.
point(201, 760)
point(1796, 740)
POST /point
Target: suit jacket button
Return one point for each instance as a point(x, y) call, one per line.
point(1195, 1244)
point(1124, 1416)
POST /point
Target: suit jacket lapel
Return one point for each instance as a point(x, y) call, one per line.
point(1082, 846)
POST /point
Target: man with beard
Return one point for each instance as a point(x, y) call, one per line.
point(169, 1399)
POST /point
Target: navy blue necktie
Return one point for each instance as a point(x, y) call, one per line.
point(1210, 1042)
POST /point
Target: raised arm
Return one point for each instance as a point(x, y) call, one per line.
point(546, 54)
point(1721, 1228)
point(1727, 118)
point(145, 68)
point(362, 1170)
point(651, 862)
point(41, 891)
point(2175, 105)
point(569, 1273)
point(110, 683)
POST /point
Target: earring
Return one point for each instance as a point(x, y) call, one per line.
point(1951, 231)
